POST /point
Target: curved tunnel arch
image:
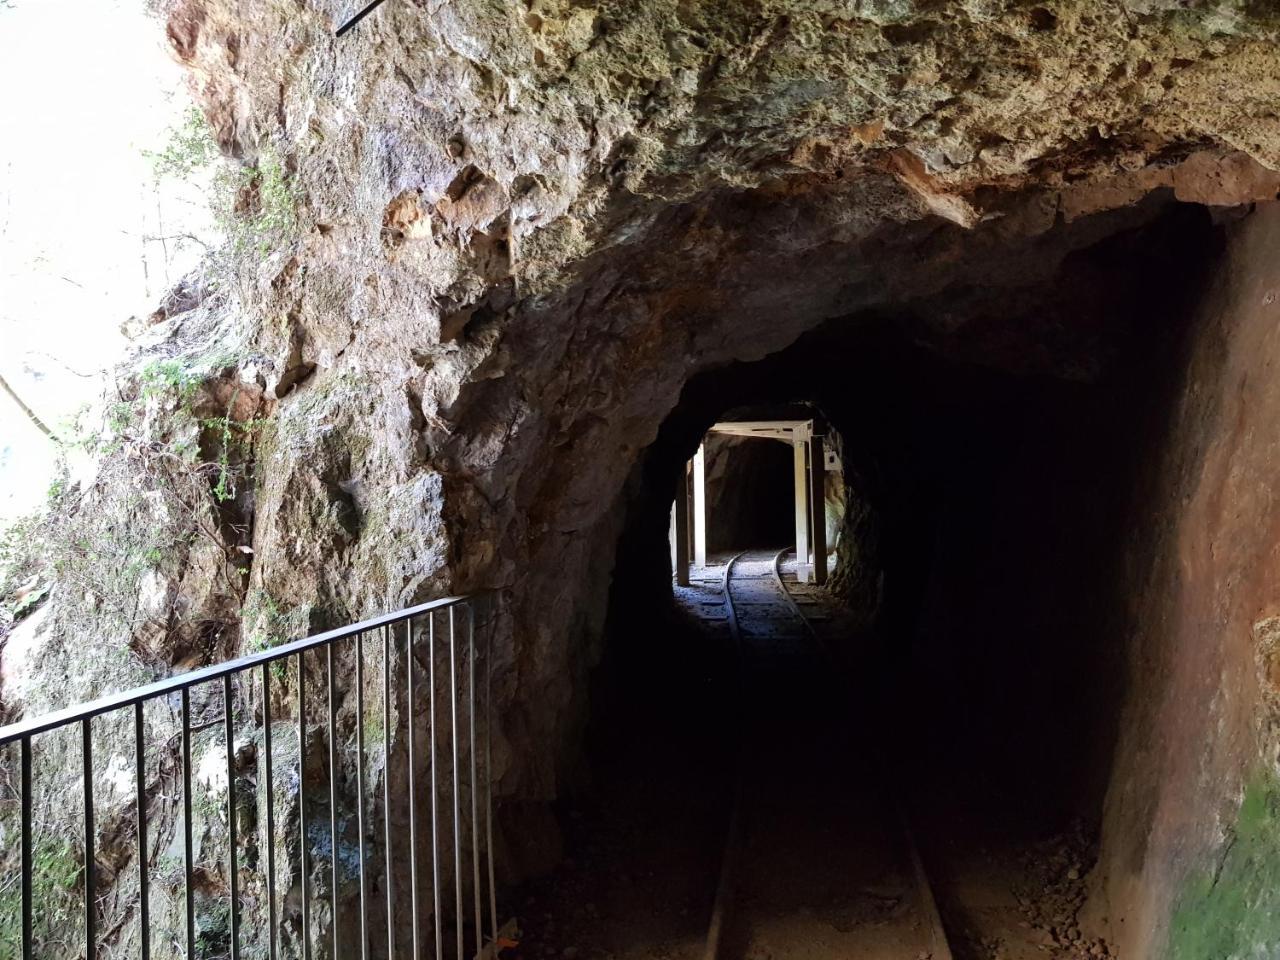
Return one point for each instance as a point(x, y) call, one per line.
point(988, 498)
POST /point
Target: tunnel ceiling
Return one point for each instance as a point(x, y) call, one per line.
point(542, 217)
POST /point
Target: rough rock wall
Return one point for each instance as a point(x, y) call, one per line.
point(1201, 575)
point(522, 226)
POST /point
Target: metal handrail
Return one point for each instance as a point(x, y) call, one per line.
point(461, 652)
point(127, 698)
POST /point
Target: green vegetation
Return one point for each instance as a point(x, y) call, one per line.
point(375, 730)
point(20, 588)
point(1232, 912)
point(54, 880)
point(268, 619)
point(234, 441)
point(190, 148)
point(171, 454)
point(268, 625)
point(259, 207)
point(255, 205)
point(213, 922)
point(172, 376)
point(227, 442)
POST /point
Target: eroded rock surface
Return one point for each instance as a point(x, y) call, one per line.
point(524, 225)
point(519, 228)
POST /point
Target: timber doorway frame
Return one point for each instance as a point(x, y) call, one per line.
point(810, 459)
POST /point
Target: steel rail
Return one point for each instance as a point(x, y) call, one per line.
point(90, 845)
point(233, 845)
point(361, 827)
point(729, 859)
point(821, 645)
point(140, 814)
point(940, 947)
point(475, 810)
point(188, 842)
point(304, 845)
point(791, 601)
point(177, 683)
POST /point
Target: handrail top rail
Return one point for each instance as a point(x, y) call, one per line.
point(127, 698)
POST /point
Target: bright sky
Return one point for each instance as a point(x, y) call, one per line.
point(88, 85)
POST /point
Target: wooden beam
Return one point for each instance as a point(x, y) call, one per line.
point(818, 497)
point(802, 511)
point(700, 507)
point(784, 430)
point(671, 539)
point(680, 528)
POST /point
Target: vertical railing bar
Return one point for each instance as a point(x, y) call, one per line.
point(475, 781)
point(90, 871)
point(144, 877)
point(457, 805)
point(269, 800)
point(333, 798)
point(233, 861)
point(360, 824)
point(475, 700)
point(413, 793)
point(28, 906)
point(488, 774)
point(435, 791)
point(187, 825)
point(302, 809)
point(386, 788)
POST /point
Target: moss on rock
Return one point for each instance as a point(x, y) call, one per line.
point(1231, 910)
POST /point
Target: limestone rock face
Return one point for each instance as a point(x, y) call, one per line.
point(523, 225)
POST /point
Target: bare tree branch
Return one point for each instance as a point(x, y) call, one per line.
point(31, 414)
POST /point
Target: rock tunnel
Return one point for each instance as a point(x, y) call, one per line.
point(997, 491)
point(1008, 469)
point(1019, 260)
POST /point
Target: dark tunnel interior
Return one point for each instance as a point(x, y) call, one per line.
point(987, 505)
point(750, 485)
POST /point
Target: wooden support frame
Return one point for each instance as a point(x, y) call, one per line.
point(818, 507)
point(800, 473)
point(700, 507)
point(809, 475)
point(680, 529)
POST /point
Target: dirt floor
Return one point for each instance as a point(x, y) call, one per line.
point(1009, 891)
point(644, 841)
point(822, 867)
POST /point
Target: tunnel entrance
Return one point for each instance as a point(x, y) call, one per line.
point(748, 492)
point(757, 481)
point(960, 678)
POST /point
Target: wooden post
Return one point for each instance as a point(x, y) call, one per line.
point(700, 507)
point(802, 510)
point(818, 498)
point(671, 539)
point(680, 528)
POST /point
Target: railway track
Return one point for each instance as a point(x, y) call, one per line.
point(818, 861)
